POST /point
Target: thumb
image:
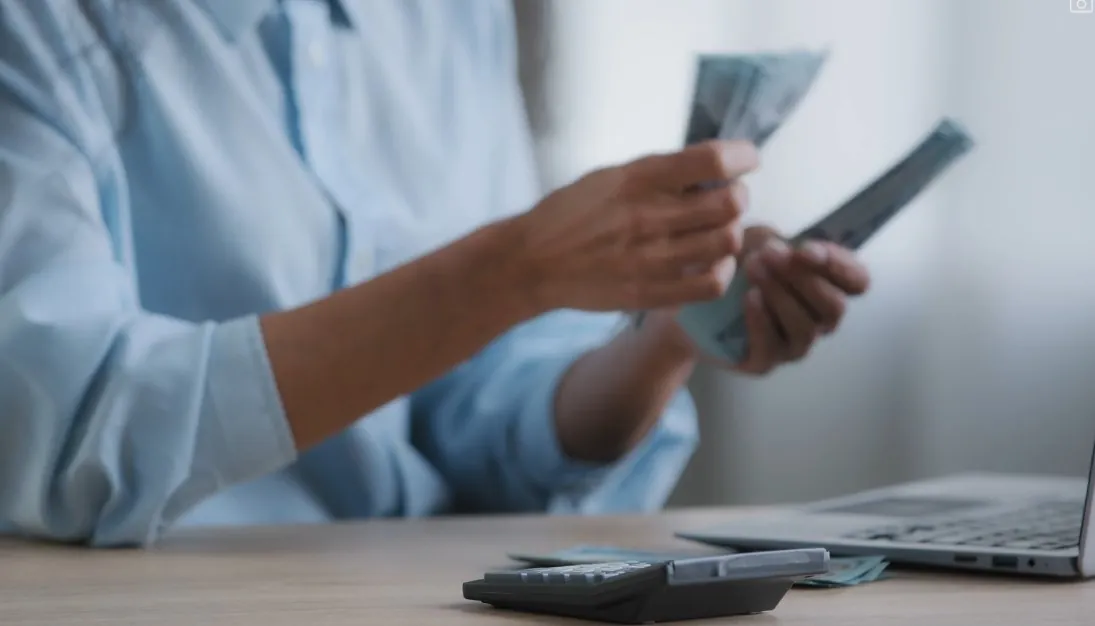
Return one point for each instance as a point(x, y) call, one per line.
point(756, 237)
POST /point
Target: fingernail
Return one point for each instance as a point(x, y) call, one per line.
point(776, 249)
point(740, 155)
point(814, 251)
point(726, 271)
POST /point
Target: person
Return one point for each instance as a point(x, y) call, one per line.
point(271, 261)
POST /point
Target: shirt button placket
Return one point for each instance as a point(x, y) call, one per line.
point(319, 97)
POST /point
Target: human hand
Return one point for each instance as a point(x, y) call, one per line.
point(797, 296)
point(655, 232)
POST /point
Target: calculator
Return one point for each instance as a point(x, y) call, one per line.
point(640, 592)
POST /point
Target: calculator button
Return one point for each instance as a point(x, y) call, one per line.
point(588, 574)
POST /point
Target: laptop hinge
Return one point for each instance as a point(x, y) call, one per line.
point(1086, 561)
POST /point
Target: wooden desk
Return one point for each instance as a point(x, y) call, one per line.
point(409, 572)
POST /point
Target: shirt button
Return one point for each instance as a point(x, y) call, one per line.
point(316, 54)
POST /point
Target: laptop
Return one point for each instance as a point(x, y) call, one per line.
point(1014, 524)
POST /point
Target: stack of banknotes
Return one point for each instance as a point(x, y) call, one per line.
point(748, 97)
point(843, 571)
point(848, 571)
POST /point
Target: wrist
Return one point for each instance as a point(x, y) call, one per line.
point(527, 275)
point(502, 273)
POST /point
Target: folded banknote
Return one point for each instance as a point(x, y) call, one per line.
point(718, 327)
point(747, 97)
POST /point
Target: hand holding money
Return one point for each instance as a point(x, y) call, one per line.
point(652, 233)
point(797, 296)
point(748, 97)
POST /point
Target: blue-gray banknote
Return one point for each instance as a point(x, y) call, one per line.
point(748, 96)
point(718, 327)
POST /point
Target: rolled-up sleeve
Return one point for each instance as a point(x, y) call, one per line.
point(489, 425)
point(640, 482)
point(113, 421)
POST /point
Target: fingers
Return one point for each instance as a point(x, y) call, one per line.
point(699, 164)
point(765, 348)
point(803, 291)
point(837, 264)
point(797, 328)
point(689, 287)
point(700, 248)
point(823, 301)
point(702, 232)
point(757, 236)
point(702, 210)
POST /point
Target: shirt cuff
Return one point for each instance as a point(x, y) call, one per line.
point(247, 409)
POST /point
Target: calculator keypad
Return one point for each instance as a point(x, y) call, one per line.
point(588, 574)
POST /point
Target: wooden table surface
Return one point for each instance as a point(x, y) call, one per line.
point(410, 572)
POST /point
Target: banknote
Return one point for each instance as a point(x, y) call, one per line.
point(878, 572)
point(773, 85)
point(848, 571)
point(747, 97)
point(718, 327)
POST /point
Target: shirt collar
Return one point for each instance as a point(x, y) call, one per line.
point(236, 17)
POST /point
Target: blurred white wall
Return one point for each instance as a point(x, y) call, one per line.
point(976, 347)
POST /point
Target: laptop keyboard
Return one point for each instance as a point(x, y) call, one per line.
point(1045, 526)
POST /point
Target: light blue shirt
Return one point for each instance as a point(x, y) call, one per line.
point(169, 171)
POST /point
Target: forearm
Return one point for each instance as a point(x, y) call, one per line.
point(344, 356)
point(611, 397)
